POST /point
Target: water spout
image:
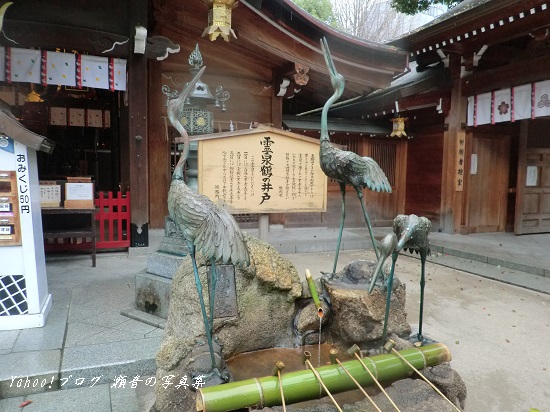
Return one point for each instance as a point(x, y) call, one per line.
point(314, 294)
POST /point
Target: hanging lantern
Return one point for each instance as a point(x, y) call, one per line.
point(219, 19)
point(398, 126)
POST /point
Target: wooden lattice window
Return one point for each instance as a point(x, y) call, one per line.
point(385, 154)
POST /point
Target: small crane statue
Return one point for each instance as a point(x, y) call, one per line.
point(347, 168)
point(411, 233)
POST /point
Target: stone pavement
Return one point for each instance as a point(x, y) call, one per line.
point(87, 343)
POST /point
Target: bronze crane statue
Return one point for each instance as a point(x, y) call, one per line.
point(387, 248)
point(205, 227)
point(412, 234)
point(347, 168)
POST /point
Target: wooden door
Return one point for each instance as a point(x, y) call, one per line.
point(487, 184)
point(533, 185)
point(391, 156)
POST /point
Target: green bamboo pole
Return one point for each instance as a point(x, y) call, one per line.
point(314, 294)
point(303, 385)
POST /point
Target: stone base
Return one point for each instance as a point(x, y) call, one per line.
point(153, 294)
point(163, 264)
point(174, 245)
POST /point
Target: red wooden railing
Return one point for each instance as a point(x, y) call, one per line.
point(112, 226)
point(113, 215)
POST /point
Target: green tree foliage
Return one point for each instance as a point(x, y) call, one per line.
point(417, 6)
point(320, 9)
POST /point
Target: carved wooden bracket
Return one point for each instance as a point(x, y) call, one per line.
point(159, 47)
point(291, 80)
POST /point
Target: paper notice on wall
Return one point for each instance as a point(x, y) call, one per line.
point(532, 176)
point(473, 164)
point(79, 191)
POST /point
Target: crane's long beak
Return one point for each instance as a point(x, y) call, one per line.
point(386, 247)
point(328, 57)
point(176, 105)
point(405, 237)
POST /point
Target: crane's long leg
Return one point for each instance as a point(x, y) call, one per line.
point(201, 300)
point(212, 290)
point(388, 296)
point(367, 220)
point(342, 218)
point(422, 283)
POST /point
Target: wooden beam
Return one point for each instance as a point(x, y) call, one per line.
point(272, 42)
point(51, 36)
point(459, 24)
point(513, 74)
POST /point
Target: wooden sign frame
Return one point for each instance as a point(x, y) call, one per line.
point(263, 170)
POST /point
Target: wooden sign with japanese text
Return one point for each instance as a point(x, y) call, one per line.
point(262, 170)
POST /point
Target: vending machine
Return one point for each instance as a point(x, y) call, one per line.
point(24, 298)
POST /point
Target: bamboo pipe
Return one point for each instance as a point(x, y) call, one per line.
point(390, 346)
point(303, 385)
point(314, 294)
point(334, 360)
point(353, 351)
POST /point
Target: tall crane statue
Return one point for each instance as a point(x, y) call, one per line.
point(205, 227)
point(347, 168)
point(412, 234)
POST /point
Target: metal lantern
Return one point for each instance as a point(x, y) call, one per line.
point(196, 118)
point(398, 126)
point(219, 19)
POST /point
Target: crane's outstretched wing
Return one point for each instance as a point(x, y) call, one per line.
point(373, 176)
point(212, 230)
point(359, 171)
point(219, 236)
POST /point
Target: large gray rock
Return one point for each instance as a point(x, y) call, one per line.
point(266, 292)
point(357, 316)
point(448, 381)
point(266, 295)
point(176, 388)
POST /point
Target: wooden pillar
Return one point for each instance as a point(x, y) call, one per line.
point(452, 199)
point(277, 121)
point(159, 149)
point(137, 132)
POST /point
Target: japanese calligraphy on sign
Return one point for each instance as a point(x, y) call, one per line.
point(262, 170)
point(459, 171)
